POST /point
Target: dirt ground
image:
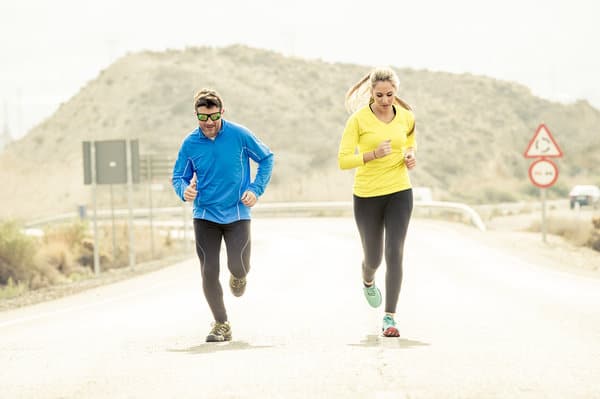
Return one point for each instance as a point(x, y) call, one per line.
point(511, 232)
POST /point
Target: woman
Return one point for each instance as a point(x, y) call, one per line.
point(379, 141)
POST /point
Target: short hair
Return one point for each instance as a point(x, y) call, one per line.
point(207, 98)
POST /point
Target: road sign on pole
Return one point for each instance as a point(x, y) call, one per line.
point(543, 173)
point(111, 162)
point(543, 145)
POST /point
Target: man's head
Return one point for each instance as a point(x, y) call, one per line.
point(209, 109)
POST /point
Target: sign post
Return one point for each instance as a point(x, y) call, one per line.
point(543, 173)
point(111, 162)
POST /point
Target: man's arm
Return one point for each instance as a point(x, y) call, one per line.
point(183, 171)
point(262, 155)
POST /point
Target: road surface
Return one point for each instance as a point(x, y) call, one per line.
point(475, 322)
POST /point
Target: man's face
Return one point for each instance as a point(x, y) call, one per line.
point(209, 120)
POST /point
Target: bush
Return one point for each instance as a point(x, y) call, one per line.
point(67, 248)
point(65, 253)
point(577, 231)
point(59, 257)
point(12, 289)
point(574, 230)
point(595, 238)
point(72, 235)
point(17, 253)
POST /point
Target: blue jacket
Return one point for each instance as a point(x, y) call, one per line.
point(222, 170)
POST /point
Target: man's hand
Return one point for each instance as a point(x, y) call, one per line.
point(249, 198)
point(190, 192)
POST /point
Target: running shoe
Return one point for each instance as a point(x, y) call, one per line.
point(220, 332)
point(373, 295)
point(237, 285)
point(389, 327)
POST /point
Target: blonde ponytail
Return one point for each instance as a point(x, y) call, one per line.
point(358, 95)
point(403, 103)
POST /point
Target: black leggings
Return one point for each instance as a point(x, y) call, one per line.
point(208, 247)
point(374, 215)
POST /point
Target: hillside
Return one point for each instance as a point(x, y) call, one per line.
point(472, 130)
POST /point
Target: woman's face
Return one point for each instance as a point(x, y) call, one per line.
point(383, 94)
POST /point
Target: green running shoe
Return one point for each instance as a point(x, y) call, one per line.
point(373, 295)
point(389, 327)
point(220, 332)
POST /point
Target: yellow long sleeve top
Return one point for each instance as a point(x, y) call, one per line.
point(363, 133)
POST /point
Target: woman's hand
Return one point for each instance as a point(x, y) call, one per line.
point(410, 160)
point(383, 149)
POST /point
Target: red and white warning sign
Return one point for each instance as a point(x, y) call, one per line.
point(543, 173)
point(543, 145)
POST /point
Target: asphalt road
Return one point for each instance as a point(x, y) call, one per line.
point(475, 322)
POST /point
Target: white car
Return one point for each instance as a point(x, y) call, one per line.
point(584, 195)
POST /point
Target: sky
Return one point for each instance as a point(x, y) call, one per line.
point(50, 50)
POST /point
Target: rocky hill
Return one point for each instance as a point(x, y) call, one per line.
point(472, 130)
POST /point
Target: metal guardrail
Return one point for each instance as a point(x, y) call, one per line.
point(466, 210)
point(325, 208)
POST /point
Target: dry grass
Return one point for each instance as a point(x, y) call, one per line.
point(16, 254)
point(12, 289)
point(578, 231)
point(65, 254)
point(595, 238)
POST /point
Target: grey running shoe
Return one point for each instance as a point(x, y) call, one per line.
point(220, 332)
point(237, 285)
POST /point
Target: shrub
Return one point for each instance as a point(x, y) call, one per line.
point(577, 231)
point(58, 256)
point(17, 253)
point(67, 247)
point(595, 238)
point(72, 235)
point(65, 253)
point(12, 289)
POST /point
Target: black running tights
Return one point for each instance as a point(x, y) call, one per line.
point(375, 215)
point(208, 247)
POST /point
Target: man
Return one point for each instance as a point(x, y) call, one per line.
point(213, 170)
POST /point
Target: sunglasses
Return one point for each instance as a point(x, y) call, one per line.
point(215, 116)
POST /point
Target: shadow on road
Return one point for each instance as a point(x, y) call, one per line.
point(390, 343)
point(219, 347)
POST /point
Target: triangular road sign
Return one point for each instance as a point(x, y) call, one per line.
point(543, 145)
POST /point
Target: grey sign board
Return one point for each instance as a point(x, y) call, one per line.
point(111, 162)
point(110, 166)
